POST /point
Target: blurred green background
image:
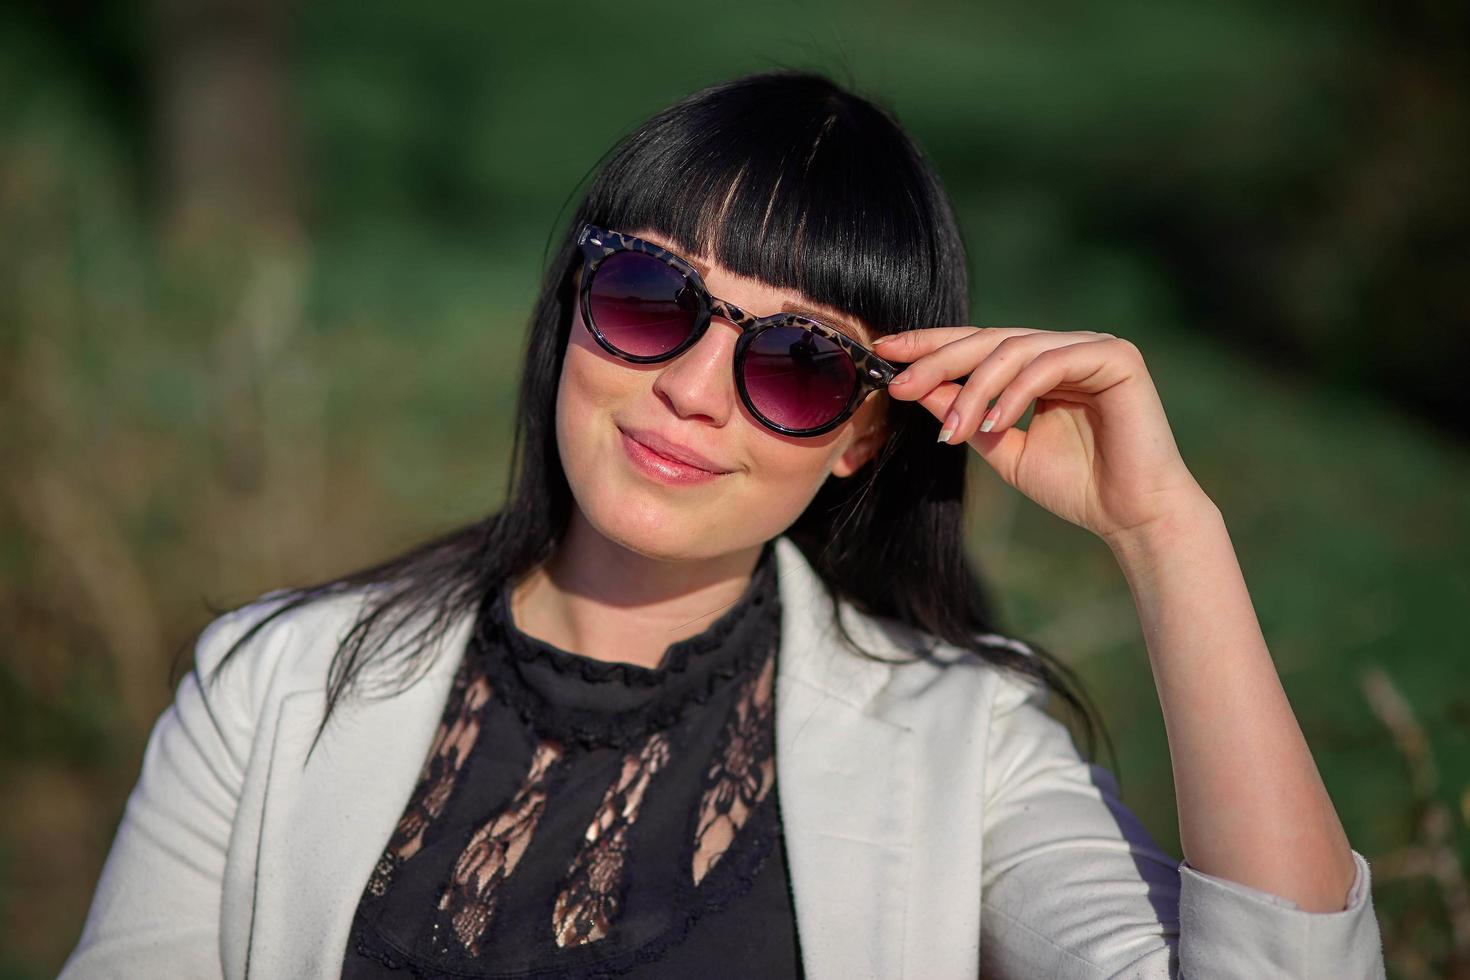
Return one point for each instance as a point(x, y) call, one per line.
point(266, 267)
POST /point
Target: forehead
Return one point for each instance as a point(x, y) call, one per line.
point(791, 301)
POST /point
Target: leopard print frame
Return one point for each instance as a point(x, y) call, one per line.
point(873, 372)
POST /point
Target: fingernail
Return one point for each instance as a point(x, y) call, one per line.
point(902, 378)
point(989, 422)
point(950, 424)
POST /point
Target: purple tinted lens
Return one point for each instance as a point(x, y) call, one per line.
point(642, 306)
point(797, 378)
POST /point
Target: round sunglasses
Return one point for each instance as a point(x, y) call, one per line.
point(644, 304)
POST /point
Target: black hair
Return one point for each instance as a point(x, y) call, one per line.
point(787, 177)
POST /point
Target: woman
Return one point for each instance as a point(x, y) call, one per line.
point(715, 693)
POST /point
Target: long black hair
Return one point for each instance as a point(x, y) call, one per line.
point(786, 177)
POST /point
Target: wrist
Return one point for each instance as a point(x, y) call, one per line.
point(1182, 520)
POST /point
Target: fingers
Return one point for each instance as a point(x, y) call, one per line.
point(968, 348)
point(990, 356)
point(956, 358)
point(992, 374)
point(993, 358)
point(909, 346)
point(1081, 369)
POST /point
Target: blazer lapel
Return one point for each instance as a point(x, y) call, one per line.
point(845, 782)
point(325, 823)
point(845, 786)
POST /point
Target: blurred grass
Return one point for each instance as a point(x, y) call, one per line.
point(197, 426)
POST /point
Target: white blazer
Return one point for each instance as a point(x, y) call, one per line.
point(936, 821)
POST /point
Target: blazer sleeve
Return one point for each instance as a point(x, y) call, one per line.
point(156, 909)
point(1074, 886)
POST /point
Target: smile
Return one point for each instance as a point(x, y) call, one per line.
point(662, 468)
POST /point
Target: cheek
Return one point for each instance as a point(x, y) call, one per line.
point(785, 475)
point(591, 379)
point(589, 395)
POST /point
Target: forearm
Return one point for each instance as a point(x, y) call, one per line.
point(1252, 807)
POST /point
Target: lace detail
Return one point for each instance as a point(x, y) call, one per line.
point(597, 729)
point(764, 832)
point(493, 853)
point(676, 658)
point(522, 669)
point(588, 902)
point(741, 775)
point(496, 781)
point(452, 743)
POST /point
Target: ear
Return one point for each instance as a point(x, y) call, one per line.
point(864, 447)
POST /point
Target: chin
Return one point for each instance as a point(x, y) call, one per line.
point(649, 531)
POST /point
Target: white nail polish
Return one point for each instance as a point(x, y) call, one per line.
point(950, 424)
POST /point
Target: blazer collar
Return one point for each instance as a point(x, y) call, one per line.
point(845, 786)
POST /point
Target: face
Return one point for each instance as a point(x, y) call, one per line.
point(649, 506)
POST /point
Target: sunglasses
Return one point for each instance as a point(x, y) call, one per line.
point(644, 304)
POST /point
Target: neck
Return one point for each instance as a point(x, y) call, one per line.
point(601, 600)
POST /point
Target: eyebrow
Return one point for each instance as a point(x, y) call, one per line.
point(824, 318)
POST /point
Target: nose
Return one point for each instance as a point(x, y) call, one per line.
point(699, 383)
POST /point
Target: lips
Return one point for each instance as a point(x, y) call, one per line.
point(675, 451)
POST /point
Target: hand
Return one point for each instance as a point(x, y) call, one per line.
point(1098, 451)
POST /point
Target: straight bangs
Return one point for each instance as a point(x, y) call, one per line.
point(790, 180)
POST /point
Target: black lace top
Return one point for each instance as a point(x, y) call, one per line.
point(580, 818)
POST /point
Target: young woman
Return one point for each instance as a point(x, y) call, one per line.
point(716, 693)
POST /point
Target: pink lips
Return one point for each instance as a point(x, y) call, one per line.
point(664, 468)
